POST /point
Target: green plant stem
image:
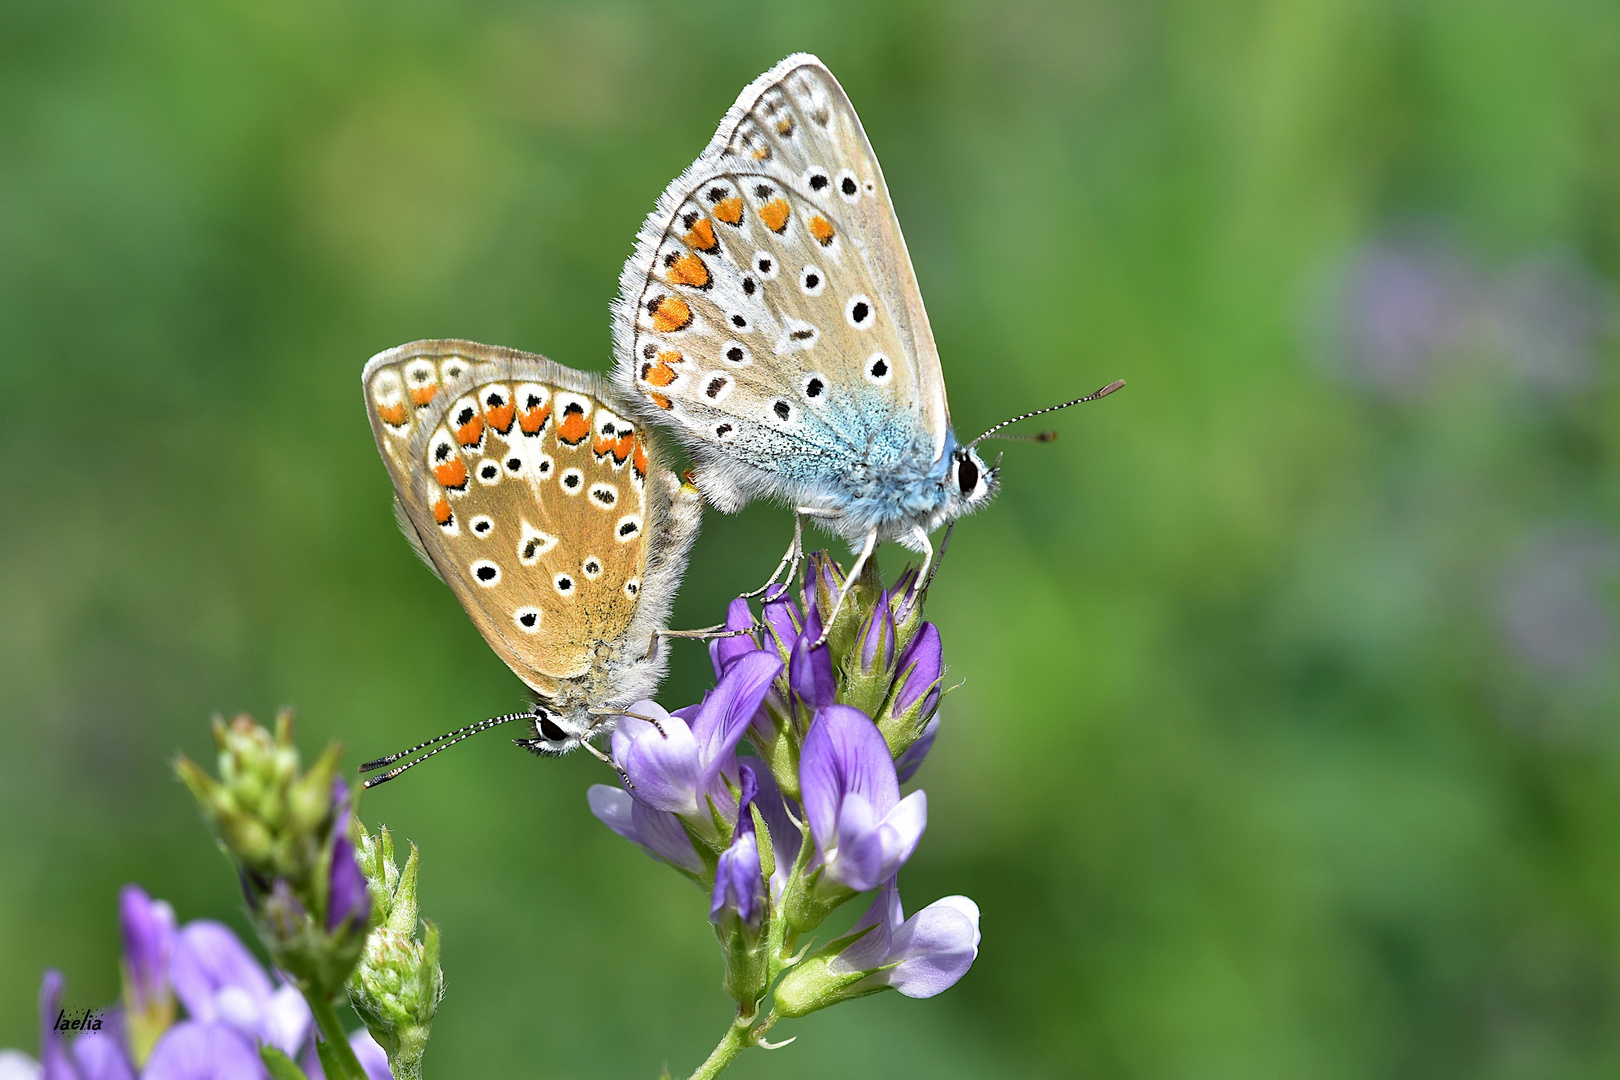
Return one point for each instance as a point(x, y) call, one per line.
point(337, 1040)
point(737, 1039)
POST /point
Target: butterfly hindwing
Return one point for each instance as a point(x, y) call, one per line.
point(533, 497)
point(770, 309)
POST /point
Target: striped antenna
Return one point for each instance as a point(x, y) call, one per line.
point(444, 742)
point(1043, 437)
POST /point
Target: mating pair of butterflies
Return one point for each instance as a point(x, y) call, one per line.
point(771, 320)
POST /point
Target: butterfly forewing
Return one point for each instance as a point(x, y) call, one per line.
point(770, 308)
point(527, 490)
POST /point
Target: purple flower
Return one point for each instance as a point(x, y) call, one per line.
point(823, 581)
point(782, 616)
point(877, 638)
point(92, 1055)
point(739, 886)
point(218, 980)
point(725, 651)
point(922, 665)
point(862, 827)
point(372, 1057)
point(785, 836)
point(16, 1065)
point(148, 931)
point(810, 669)
point(907, 764)
point(907, 593)
point(657, 832)
point(203, 1050)
point(678, 768)
point(919, 956)
point(347, 898)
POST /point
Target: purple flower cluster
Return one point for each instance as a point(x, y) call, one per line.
point(233, 1007)
point(779, 839)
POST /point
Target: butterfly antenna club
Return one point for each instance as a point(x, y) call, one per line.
point(1048, 436)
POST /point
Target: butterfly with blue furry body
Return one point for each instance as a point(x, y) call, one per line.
point(770, 317)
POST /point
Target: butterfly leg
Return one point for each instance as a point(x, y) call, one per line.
point(849, 583)
point(653, 720)
point(600, 756)
point(707, 633)
point(791, 559)
point(925, 545)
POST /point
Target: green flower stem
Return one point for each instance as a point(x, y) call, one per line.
point(738, 1038)
point(337, 1040)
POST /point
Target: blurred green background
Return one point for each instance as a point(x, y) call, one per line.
point(1288, 740)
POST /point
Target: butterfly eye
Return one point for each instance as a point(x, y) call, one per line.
point(967, 475)
point(548, 729)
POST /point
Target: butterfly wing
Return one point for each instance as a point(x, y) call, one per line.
point(770, 309)
point(531, 493)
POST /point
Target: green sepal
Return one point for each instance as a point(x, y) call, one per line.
point(762, 835)
point(281, 1066)
point(331, 1063)
point(816, 896)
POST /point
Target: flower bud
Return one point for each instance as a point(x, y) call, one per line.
point(782, 618)
point(920, 668)
point(723, 651)
point(397, 986)
point(738, 904)
point(148, 930)
point(810, 670)
point(288, 831)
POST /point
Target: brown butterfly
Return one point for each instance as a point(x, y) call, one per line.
point(529, 489)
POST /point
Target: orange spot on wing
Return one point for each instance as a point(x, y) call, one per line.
point(573, 429)
point(601, 446)
point(689, 270)
point(775, 214)
point(640, 463)
point(535, 419)
point(729, 210)
point(671, 358)
point(670, 314)
point(623, 448)
point(469, 433)
point(392, 414)
point(441, 512)
point(702, 236)
point(660, 400)
point(658, 374)
point(822, 230)
point(452, 474)
point(784, 126)
point(423, 394)
point(500, 417)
